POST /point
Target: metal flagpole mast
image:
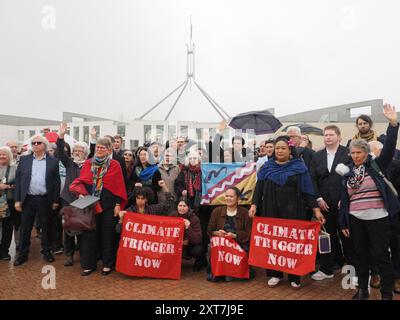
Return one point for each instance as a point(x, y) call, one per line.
point(190, 77)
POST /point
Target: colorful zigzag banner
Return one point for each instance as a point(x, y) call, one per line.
point(217, 177)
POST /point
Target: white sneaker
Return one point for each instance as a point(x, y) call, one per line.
point(295, 285)
point(273, 282)
point(319, 275)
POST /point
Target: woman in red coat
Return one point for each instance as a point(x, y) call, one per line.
point(102, 177)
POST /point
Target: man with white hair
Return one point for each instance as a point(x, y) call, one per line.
point(37, 191)
point(294, 133)
point(13, 145)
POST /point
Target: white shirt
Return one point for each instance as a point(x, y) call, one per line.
point(330, 157)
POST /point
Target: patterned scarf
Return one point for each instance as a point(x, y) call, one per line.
point(279, 173)
point(99, 169)
point(193, 179)
point(369, 136)
point(357, 178)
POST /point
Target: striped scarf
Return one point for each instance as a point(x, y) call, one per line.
point(99, 169)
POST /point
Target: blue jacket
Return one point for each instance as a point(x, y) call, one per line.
point(391, 202)
point(23, 179)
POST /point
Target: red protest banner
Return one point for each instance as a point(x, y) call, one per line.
point(151, 246)
point(228, 258)
point(284, 245)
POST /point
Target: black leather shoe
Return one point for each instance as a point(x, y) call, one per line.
point(362, 294)
point(48, 257)
point(105, 273)
point(5, 257)
point(196, 268)
point(69, 262)
point(19, 261)
point(85, 273)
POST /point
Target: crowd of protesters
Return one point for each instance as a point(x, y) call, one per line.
point(350, 190)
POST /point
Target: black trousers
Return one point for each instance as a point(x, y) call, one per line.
point(35, 205)
point(105, 234)
point(204, 214)
point(395, 246)
point(394, 251)
point(372, 237)
point(8, 225)
point(338, 254)
point(70, 243)
point(279, 274)
point(56, 231)
point(195, 251)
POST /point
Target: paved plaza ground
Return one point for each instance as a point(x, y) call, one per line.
point(25, 283)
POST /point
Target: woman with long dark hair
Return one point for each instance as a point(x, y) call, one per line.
point(145, 174)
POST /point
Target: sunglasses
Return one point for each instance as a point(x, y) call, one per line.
point(36, 143)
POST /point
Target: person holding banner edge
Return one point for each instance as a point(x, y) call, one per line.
point(284, 190)
point(231, 221)
point(192, 242)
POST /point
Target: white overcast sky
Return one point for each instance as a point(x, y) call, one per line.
point(113, 57)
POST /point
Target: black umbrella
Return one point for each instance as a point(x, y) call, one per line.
point(306, 129)
point(261, 122)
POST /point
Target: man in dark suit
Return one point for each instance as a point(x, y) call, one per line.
point(37, 191)
point(327, 185)
point(117, 145)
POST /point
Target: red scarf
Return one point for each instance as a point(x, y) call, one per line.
point(191, 185)
point(113, 181)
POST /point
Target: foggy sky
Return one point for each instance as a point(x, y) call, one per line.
point(114, 57)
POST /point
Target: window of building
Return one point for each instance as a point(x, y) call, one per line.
point(97, 131)
point(171, 132)
point(121, 130)
point(86, 134)
point(76, 133)
point(160, 134)
point(31, 133)
point(134, 144)
point(147, 133)
point(21, 135)
point(199, 136)
point(355, 112)
point(184, 131)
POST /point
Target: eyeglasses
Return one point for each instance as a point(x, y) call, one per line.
point(36, 143)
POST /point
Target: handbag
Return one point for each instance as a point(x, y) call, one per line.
point(75, 219)
point(324, 242)
point(4, 210)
